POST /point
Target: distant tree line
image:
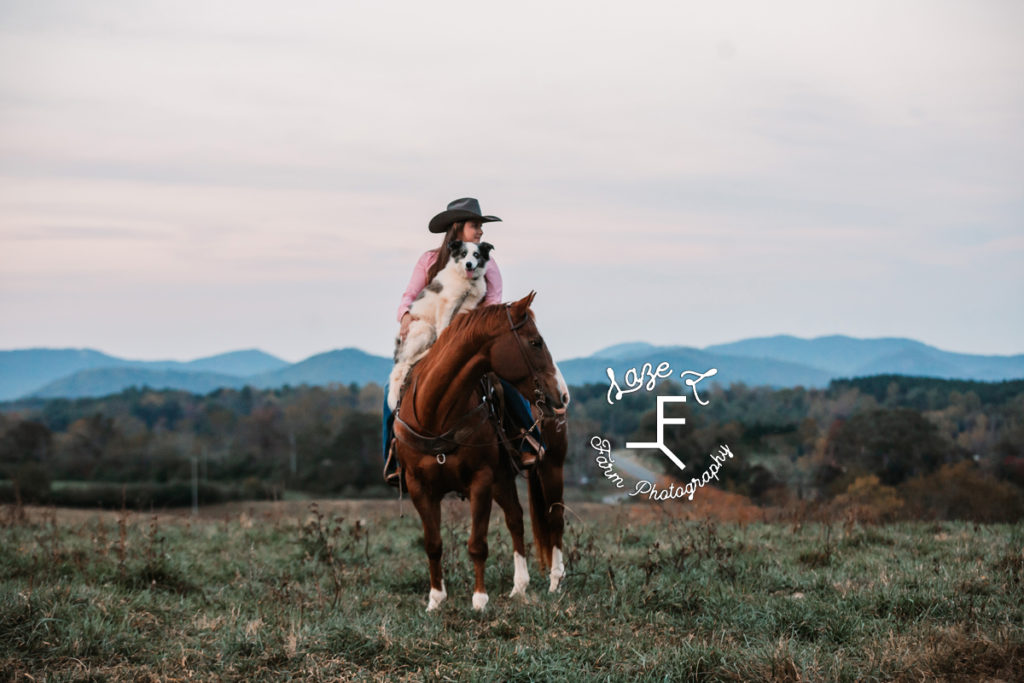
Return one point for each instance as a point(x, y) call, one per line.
point(917, 439)
point(324, 440)
point(891, 443)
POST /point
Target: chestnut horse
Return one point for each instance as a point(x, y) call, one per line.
point(446, 441)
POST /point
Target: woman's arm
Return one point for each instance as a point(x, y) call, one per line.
point(493, 279)
point(417, 282)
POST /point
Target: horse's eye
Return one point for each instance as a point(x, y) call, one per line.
point(536, 343)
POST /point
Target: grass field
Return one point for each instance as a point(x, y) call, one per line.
point(337, 590)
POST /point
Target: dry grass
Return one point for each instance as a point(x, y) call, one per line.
point(337, 590)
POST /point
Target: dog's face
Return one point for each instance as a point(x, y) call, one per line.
point(470, 258)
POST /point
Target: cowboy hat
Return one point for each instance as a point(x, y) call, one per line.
point(464, 209)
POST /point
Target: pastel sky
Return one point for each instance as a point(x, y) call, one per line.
point(179, 179)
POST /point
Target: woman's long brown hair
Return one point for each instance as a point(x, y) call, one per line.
point(443, 253)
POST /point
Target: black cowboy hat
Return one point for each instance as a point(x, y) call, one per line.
point(464, 209)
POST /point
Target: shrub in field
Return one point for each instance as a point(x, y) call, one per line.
point(868, 500)
point(962, 491)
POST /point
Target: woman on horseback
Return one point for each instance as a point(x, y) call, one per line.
point(463, 221)
point(460, 221)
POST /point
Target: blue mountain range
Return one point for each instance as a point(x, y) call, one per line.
point(780, 361)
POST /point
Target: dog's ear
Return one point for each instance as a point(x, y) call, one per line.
point(485, 249)
point(454, 245)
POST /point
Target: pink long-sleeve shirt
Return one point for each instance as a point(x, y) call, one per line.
point(419, 280)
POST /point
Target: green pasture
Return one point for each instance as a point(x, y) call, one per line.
point(337, 591)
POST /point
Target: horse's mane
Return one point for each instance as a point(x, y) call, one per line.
point(473, 326)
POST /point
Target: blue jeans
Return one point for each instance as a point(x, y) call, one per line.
point(388, 425)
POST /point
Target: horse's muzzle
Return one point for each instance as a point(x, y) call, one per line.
point(548, 410)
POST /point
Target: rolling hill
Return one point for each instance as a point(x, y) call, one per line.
point(779, 361)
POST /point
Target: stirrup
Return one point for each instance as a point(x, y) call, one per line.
point(534, 454)
point(393, 478)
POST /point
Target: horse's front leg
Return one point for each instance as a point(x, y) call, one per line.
point(480, 509)
point(430, 514)
point(553, 482)
point(506, 497)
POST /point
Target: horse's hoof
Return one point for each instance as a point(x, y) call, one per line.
point(436, 598)
point(480, 601)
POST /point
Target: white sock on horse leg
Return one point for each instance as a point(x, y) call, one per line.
point(521, 577)
point(479, 600)
point(557, 568)
point(436, 598)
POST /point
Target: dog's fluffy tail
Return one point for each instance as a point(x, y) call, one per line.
point(420, 338)
point(396, 383)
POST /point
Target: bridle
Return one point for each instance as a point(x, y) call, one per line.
point(540, 400)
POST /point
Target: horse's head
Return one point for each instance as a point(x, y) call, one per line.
point(520, 356)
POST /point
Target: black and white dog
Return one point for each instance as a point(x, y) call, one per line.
point(457, 288)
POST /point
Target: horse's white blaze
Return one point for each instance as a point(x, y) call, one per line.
point(521, 578)
point(563, 388)
point(436, 598)
point(557, 568)
point(479, 600)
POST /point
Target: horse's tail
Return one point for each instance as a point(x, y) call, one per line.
point(539, 518)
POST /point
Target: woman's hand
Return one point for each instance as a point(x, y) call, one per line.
point(407, 319)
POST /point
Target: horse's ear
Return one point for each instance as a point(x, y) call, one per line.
point(525, 302)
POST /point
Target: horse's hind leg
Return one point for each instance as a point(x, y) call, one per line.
point(546, 487)
point(480, 508)
point(430, 515)
point(506, 496)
